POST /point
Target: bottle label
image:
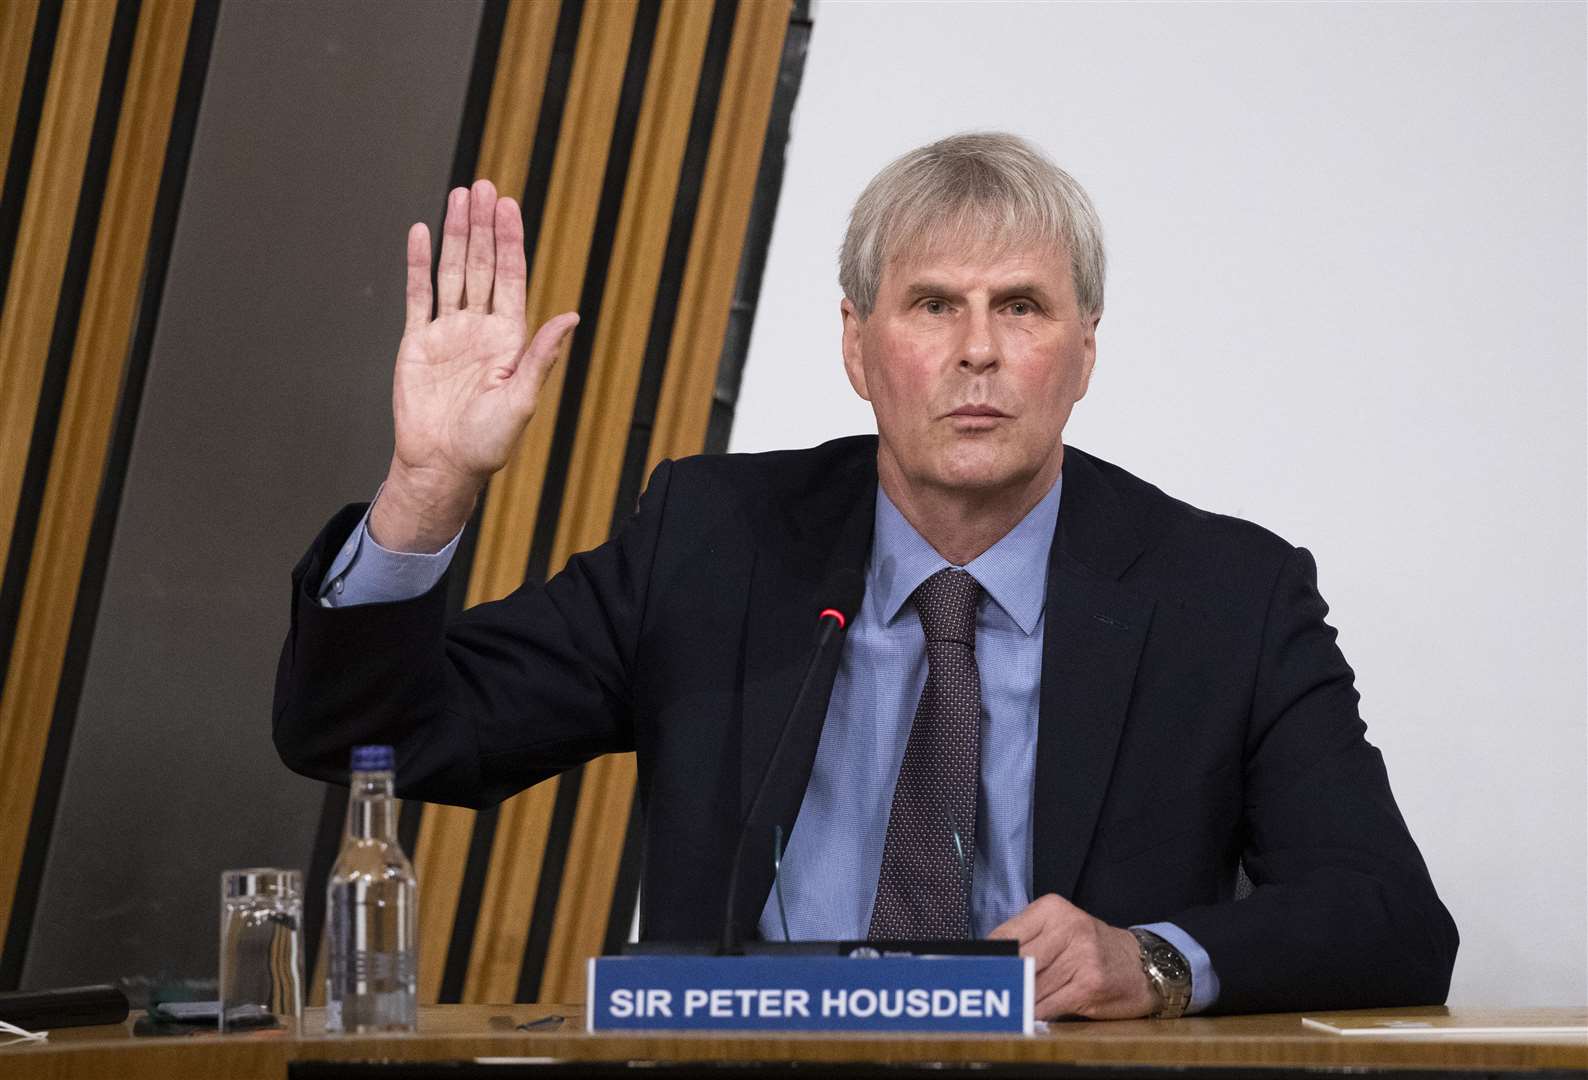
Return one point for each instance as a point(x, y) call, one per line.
point(364, 966)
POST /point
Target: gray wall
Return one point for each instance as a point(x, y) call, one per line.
point(326, 128)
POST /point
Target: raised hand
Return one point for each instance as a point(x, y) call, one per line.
point(466, 381)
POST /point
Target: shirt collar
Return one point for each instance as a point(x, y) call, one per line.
point(1013, 572)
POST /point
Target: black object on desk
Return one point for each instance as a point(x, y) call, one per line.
point(72, 1006)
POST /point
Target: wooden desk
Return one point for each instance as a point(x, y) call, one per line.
point(1274, 1043)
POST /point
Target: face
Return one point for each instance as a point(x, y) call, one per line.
point(972, 361)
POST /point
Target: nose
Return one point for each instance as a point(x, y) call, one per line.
point(978, 349)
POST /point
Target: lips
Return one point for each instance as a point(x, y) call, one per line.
point(978, 410)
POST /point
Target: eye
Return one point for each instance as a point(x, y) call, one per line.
point(935, 306)
point(1021, 307)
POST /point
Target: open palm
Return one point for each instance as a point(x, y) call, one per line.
point(466, 380)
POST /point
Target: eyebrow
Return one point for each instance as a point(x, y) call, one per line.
point(921, 289)
point(1022, 288)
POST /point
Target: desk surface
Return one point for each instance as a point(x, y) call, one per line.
point(461, 1032)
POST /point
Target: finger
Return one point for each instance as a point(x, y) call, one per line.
point(454, 244)
point(538, 358)
point(1060, 992)
point(512, 275)
point(1054, 974)
point(481, 265)
point(1036, 917)
point(1052, 1006)
point(418, 291)
point(1022, 927)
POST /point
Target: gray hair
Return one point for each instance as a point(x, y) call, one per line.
point(979, 184)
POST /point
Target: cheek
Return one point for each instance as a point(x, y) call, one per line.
point(1058, 380)
point(898, 375)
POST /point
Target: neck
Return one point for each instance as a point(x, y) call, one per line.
point(370, 807)
point(961, 523)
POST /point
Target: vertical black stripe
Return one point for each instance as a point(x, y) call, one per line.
point(591, 296)
point(537, 182)
point(675, 260)
point(13, 196)
point(477, 98)
point(466, 915)
point(63, 337)
point(548, 126)
point(409, 817)
point(24, 137)
point(465, 163)
point(626, 889)
point(322, 857)
point(558, 833)
point(598, 264)
point(758, 233)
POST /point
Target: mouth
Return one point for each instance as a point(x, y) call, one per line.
point(975, 421)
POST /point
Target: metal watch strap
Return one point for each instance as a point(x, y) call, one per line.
point(1167, 972)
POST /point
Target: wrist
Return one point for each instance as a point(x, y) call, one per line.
point(1167, 973)
point(419, 511)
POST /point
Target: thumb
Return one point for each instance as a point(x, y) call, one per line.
point(538, 357)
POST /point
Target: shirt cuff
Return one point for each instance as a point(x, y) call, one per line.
point(1204, 980)
point(363, 572)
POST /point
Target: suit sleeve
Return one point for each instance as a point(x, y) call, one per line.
point(505, 695)
point(1344, 914)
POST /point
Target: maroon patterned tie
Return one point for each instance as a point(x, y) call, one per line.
point(923, 891)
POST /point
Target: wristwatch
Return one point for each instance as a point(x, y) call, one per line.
point(1167, 973)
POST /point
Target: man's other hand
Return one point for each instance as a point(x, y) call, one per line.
point(1085, 967)
point(466, 381)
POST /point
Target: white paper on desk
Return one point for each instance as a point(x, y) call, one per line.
point(1379, 1027)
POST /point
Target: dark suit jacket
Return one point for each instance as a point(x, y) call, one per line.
point(1195, 713)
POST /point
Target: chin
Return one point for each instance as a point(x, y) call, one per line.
point(985, 476)
point(982, 469)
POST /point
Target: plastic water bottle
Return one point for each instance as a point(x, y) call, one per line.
point(372, 910)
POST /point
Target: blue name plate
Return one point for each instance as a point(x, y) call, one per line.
point(809, 993)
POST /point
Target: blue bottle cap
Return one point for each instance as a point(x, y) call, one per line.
point(374, 759)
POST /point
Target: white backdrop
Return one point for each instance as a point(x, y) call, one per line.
point(1347, 301)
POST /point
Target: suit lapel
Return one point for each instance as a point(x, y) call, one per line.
point(780, 633)
point(1094, 630)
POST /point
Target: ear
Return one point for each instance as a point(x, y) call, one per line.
point(854, 361)
point(1090, 345)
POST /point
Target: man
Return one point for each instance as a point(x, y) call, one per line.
point(1068, 709)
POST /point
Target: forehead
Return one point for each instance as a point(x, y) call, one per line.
point(953, 258)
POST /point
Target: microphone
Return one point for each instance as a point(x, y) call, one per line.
point(838, 600)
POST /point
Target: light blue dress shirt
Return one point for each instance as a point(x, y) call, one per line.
point(830, 868)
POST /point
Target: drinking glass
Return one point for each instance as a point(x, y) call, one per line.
point(261, 948)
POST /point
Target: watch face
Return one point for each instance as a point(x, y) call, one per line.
point(1170, 963)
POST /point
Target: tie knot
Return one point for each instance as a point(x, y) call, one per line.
point(946, 602)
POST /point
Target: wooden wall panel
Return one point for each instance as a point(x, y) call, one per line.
point(511, 122)
point(661, 300)
point(607, 794)
point(594, 471)
point(39, 260)
point(555, 283)
point(103, 334)
point(26, 326)
point(17, 19)
point(516, 94)
point(719, 232)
